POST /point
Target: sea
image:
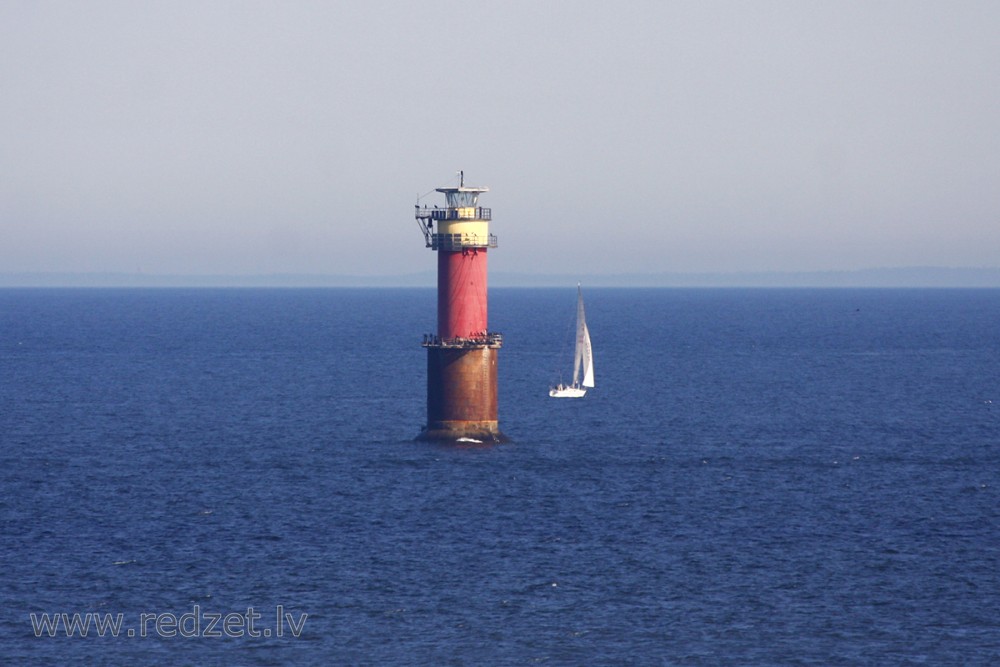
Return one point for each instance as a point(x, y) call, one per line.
point(760, 477)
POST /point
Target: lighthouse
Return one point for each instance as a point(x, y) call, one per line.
point(462, 354)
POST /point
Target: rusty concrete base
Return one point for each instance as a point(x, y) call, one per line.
point(486, 432)
point(462, 394)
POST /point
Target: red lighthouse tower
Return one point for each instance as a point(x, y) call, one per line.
point(462, 355)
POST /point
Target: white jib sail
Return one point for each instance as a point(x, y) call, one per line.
point(588, 359)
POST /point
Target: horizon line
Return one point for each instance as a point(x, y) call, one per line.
point(910, 276)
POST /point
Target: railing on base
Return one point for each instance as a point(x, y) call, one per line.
point(487, 339)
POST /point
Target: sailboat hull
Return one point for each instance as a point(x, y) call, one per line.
point(567, 392)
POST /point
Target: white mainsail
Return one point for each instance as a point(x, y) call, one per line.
point(584, 358)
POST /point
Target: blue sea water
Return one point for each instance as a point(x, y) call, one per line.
point(761, 477)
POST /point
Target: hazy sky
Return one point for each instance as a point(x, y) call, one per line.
point(259, 137)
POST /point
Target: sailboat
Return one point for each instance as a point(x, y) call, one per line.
point(583, 359)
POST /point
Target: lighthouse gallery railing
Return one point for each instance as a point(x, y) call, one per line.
point(467, 213)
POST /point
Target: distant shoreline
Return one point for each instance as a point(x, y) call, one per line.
point(907, 277)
